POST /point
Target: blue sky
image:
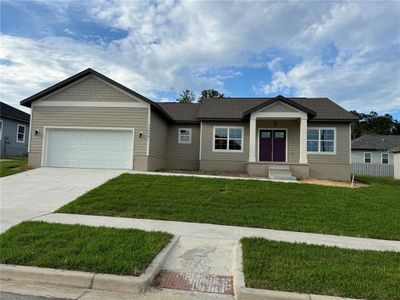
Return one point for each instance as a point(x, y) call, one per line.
point(347, 51)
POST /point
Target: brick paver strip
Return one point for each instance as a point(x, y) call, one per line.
point(195, 282)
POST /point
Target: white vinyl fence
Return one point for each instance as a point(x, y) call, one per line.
point(372, 169)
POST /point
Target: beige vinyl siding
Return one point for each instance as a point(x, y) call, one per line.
point(183, 156)
point(90, 89)
point(87, 117)
point(293, 136)
point(223, 161)
point(158, 141)
point(342, 155)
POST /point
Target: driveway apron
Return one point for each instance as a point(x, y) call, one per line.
point(41, 191)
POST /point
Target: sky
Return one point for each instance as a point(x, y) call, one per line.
point(346, 51)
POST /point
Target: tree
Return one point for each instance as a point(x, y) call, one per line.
point(186, 96)
point(373, 123)
point(210, 93)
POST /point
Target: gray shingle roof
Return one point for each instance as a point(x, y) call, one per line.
point(181, 112)
point(376, 142)
point(235, 109)
point(8, 111)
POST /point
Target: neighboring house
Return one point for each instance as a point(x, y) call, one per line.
point(370, 154)
point(91, 121)
point(396, 162)
point(14, 131)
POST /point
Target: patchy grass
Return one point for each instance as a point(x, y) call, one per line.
point(12, 167)
point(371, 211)
point(321, 270)
point(81, 248)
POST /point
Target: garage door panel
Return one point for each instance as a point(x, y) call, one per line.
point(89, 148)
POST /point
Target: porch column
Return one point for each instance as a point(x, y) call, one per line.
point(303, 140)
point(252, 140)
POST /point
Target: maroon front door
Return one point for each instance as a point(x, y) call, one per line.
point(272, 145)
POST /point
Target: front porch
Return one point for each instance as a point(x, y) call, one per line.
point(278, 138)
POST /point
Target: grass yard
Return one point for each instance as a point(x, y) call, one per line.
point(81, 248)
point(12, 167)
point(321, 270)
point(373, 211)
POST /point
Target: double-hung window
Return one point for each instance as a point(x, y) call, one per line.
point(185, 136)
point(228, 139)
point(21, 133)
point(321, 140)
point(367, 157)
point(385, 158)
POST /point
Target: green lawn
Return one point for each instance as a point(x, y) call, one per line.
point(372, 211)
point(321, 270)
point(12, 167)
point(82, 248)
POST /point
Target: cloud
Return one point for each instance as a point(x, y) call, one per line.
point(346, 51)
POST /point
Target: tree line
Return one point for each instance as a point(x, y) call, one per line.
point(373, 123)
point(187, 96)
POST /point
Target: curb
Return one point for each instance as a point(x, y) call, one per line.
point(89, 280)
point(244, 293)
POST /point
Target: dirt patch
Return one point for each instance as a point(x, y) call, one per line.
point(216, 173)
point(346, 184)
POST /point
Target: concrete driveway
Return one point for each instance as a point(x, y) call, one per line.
point(41, 191)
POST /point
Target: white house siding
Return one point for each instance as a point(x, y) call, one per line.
point(375, 168)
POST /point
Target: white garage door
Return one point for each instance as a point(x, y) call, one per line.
point(76, 148)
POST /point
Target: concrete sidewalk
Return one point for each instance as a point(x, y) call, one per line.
point(211, 231)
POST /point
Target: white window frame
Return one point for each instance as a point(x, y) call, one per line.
point(382, 158)
point(23, 140)
point(227, 139)
point(179, 136)
point(370, 158)
point(319, 152)
point(1, 129)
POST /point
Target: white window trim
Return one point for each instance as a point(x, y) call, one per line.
point(179, 136)
point(382, 158)
point(319, 141)
point(23, 140)
point(1, 129)
point(227, 150)
point(370, 157)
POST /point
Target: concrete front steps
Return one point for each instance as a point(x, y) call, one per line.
point(280, 172)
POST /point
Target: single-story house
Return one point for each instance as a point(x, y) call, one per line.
point(396, 162)
point(370, 154)
point(91, 121)
point(14, 131)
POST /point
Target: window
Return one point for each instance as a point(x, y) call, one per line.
point(367, 157)
point(321, 140)
point(228, 139)
point(21, 133)
point(185, 136)
point(1, 129)
point(385, 158)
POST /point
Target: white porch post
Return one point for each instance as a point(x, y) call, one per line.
point(252, 140)
point(303, 140)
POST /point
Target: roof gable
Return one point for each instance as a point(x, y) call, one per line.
point(90, 89)
point(90, 72)
point(281, 99)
